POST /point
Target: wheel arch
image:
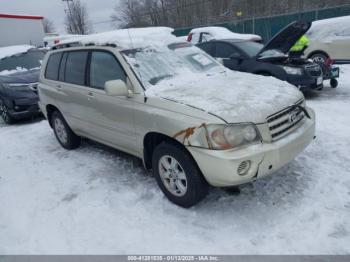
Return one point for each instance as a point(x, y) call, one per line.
point(318, 52)
point(151, 140)
point(263, 73)
point(49, 110)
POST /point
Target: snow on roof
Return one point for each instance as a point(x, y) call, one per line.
point(223, 33)
point(129, 38)
point(13, 50)
point(329, 28)
point(182, 38)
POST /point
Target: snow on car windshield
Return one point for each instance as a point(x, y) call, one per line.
point(19, 62)
point(155, 64)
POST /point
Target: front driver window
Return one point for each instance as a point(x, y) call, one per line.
point(104, 67)
point(224, 50)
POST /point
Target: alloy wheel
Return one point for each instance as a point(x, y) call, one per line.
point(4, 111)
point(173, 175)
point(61, 131)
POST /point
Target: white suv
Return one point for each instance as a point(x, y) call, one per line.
point(190, 120)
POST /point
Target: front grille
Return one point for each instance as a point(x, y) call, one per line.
point(285, 121)
point(314, 70)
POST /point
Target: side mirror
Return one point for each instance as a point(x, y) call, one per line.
point(116, 88)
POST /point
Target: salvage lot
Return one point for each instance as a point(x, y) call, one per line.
point(97, 200)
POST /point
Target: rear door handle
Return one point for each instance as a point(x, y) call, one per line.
point(90, 95)
point(59, 87)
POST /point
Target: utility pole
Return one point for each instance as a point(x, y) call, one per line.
point(68, 12)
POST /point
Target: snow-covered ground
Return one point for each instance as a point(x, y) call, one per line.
point(97, 200)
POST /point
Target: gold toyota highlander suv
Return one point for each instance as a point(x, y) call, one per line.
point(190, 120)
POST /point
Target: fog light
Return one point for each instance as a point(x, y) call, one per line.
point(243, 168)
point(17, 107)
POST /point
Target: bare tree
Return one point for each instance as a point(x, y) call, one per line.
point(49, 27)
point(77, 20)
point(188, 13)
point(129, 13)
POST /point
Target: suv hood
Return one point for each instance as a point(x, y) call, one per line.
point(26, 77)
point(287, 37)
point(233, 96)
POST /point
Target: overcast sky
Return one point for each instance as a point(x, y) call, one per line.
point(99, 11)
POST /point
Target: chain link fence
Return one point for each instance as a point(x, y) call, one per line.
point(267, 27)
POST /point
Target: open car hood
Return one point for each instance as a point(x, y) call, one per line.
point(287, 37)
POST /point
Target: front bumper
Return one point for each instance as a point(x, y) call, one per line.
point(220, 167)
point(306, 83)
point(23, 108)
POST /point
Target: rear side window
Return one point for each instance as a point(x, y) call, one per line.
point(76, 67)
point(206, 37)
point(53, 66)
point(104, 67)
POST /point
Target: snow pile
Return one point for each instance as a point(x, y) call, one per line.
point(182, 38)
point(129, 38)
point(96, 200)
point(330, 28)
point(223, 33)
point(13, 50)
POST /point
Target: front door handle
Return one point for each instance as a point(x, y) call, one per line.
point(59, 88)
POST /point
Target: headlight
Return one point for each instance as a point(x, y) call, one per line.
point(293, 70)
point(223, 137)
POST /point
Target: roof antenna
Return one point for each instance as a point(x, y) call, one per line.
point(130, 38)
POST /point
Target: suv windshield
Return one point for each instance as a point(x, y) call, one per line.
point(155, 64)
point(250, 48)
point(24, 61)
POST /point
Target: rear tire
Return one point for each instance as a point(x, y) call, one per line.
point(4, 111)
point(178, 176)
point(63, 132)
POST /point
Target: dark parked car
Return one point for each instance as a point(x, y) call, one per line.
point(18, 94)
point(272, 59)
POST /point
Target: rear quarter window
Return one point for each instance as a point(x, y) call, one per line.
point(53, 65)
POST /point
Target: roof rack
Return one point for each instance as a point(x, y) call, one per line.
point(77, 44)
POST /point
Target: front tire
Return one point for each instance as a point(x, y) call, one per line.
point(334, 83)
point(178, 176)
point(63, 132)
point(319, 58)
point(4, 111)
